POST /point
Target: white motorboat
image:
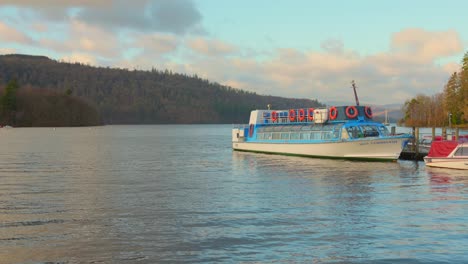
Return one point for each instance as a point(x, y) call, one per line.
point(448, 154)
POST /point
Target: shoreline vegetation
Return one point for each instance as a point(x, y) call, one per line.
point(29, 107)
point(123, 96)
point(446, 109)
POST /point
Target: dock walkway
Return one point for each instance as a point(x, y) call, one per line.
point(419, 147)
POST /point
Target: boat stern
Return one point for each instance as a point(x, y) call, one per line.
point(238, 134)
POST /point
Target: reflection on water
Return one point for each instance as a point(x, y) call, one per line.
point(120, 194)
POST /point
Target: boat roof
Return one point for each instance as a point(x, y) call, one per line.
point(444, 148)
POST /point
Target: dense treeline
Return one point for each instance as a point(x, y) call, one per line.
point(125, 96)
point(26, 106)
point(449, 107)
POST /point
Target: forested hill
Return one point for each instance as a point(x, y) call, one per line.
point(125, 96)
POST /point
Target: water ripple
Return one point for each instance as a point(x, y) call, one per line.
point(178, 194)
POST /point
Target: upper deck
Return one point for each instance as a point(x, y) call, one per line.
point(311, 115)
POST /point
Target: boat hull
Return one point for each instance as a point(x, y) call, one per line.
point(385, 149)
point(449, 163)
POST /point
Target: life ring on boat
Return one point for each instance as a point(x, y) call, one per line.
point(274, 116)
point(292, 115)
point(301, 115)
point(368, 112)
point(310, 114)
point(333, 113)
point(251, 130)
point(351, 112)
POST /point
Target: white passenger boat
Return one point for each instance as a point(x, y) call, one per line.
point(448, 154)
point(345, 132)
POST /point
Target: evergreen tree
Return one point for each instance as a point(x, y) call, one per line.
point(9, 98)
point(8, 101)
point(463, 93)
point(451, 98)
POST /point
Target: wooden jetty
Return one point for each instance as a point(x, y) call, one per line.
point(418, 149)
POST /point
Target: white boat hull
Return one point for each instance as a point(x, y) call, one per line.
point(449, 163)
point(366, 149)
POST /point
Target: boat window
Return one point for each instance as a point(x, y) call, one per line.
point(295, 136)
point(354, 132)
point(461, 151)
point(305, 135)
point(284, 135)
point(278, 128)
point(306, 128)
point(266, 129)
point(260, 135)
point(316, 127)
point(327, 135)
point(295, 128)
point(316, 135)
point(383, 131)
point(369, 131)
point(276, 135)
point(337, 131)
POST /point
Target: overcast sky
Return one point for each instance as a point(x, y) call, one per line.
point(293, 48)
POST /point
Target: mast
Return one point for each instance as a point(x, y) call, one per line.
point(355, 93)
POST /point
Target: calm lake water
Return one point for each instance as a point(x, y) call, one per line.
point(179, 194)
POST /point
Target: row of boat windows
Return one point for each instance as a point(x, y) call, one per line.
point(366, 131)
point(299, 128)
point(318, 135)
point(325, 133)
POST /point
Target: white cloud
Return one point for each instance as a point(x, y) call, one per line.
point(174, 16)
point(425, 45)
point(12, 35)
point(85, 38)
point(387, 77)
point(56, 3)
point(157, 43)
point(211, 47)
point(80, 57)
point(7, 51)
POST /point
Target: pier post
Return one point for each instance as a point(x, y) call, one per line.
point(457, 133)
point(444, 133)
point(433, 134)
point(416, 140)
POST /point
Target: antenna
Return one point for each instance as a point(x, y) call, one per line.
point(355, 93)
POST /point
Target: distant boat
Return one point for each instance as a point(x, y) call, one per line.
point(386, 118)
point(450, 154)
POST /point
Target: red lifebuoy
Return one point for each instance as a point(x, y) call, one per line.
point(292, 115)
point(333, 113)
point(351, 112)
point(310, 114)
point(274, 116)
point(301, 114)
point(368, 112)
